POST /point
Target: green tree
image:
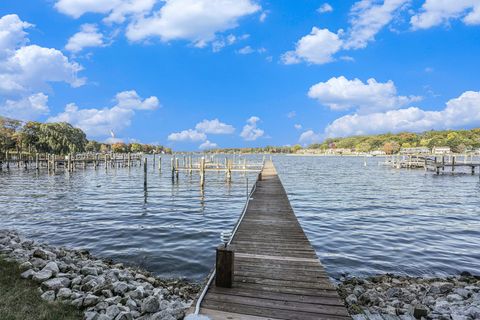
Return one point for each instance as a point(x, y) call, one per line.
point(92, 146)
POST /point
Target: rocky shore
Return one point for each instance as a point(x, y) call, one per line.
point(105, 291)
point(451, 298)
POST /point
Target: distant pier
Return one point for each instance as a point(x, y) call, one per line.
point(435, 163)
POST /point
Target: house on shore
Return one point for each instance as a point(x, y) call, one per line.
point(416, 150)
point(441, 150)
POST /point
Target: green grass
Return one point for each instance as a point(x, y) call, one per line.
point(20, 300)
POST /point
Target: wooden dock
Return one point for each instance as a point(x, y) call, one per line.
point(434, 163)
point(277, 274)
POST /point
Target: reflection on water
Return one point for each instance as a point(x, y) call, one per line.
point(361, 220)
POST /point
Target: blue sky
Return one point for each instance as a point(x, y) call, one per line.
point(239, 73)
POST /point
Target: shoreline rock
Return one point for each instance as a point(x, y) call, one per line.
point(105, 291)
point(449, 298)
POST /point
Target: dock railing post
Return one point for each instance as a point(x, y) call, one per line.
point(224, 262)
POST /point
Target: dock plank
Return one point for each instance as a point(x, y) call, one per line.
point(277, 273)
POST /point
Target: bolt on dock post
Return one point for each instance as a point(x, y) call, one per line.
point(224, 263)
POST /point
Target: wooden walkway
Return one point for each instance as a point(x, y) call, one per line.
point(277, 272)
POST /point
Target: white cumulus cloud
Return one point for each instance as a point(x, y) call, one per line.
point(98, 122)
point(27, 108)
point(368, 18)
point(214, 127)
point(12, 33)
point(372, 96)
point(324, 8)
point(250, 131)
point(197, 21)
point(434, 13)
point(88, 36)
point(309, 137)
point(187, 135)
point(460, 112)
point(117, 10)
point(318, 47)
point(26, 70)
point(208, 145)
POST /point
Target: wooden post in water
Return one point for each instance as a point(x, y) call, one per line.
point(224, 266)
point(54, 163)
point(153, 162)
point(129, 159)
point(36, 162)
point(202, 172)
point(177, 166)
point(95, 161)
point(6, 159)
point(229, 170)
point(443, 163)
point(145, 172)
point(160, 164)
point(473, 170)
point(106, 163)
point(453, 163)
point(173, 167)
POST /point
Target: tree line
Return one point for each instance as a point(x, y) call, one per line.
point(459, 141)
point(59, 138)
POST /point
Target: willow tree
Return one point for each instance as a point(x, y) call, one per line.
point(62, 138)
point(8, 130)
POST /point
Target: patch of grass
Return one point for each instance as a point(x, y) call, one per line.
point(20, 300)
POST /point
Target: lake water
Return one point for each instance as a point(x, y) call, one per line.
point(361, 220)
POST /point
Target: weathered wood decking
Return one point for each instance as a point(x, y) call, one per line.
point(277, 272)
